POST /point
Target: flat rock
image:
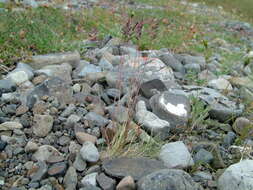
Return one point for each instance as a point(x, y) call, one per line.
point(176, 155)
point(53, 87)
point(44, 152)
point(220, 84)
point(57, 169)
point(40, 61)
point(62, 71)
point(10, 126)
point(150, 122)
point(42, 125)
point(237, 177)
point(41, 172)
point(167, 179)
point(135, 167)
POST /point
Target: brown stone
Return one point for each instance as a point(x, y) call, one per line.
point(84, 137)
point(39, 108)
point(39, 79)
point(127, 183)
point(21, 110)
point(57, 169)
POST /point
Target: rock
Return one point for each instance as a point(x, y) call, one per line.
point(2, 145)
point(127, 183)
point(200, 176)
point(18, 77)
point(69, 110)
point(53, 87)
point(72, 120)
point(55, 159)
point(90, 179)
point(192, 67)
point(89, 69)
point(70, 179)
point(62, 71)
point(220, 84)
point(84, 137)
point(42, 125)
point(237, 177)
point(79, 163)
point(77, 88)
point(24, 67)
point(40, 173)
point(222, 110)
point(31, 147)
point(95, 120)
point(113, 93)
point(167, 179)
point(39, 61)
point(90, 187)
point(119, 113)
point(105, 182)
point(135, 167)
point(89, 152)
point(151, 122)
point(176, 155)
point(229, 139)
point(10, 126)
point(203, 156)
point(189, 59)
point(171, 107)
point(6, 85)
point(44, 152)
point(243, 126)
point(64, 140)
point(57, 169)
point(150, 88)
point(171, 61)
point(206, 75)
point(105, 64)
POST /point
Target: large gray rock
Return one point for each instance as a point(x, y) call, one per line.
point(23, 67)
point(54, 87)
point(18, 77)
point(168, 179)
point(44, 153)
point(89, 69)
point(221, 108)
point(171, 61)
point(176, 155)
point(150, 122)
point(62, 71)
point(39, 61)
point(135, 167)
point(237, 177)
point(171, 107)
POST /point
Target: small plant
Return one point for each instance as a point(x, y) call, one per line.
point(132, 29)
point(199, 112)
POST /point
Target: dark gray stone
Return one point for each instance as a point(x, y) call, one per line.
point(229, 139)
point(150, 88)
point(2, 145)
point(171, 61)
point(6, 85)
point(96, 120)
point(41, 172)
point(171, 107)
point(105, 182)
point(57, 169)
point(203, 156)
point(168, 179)
point(135, 167)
